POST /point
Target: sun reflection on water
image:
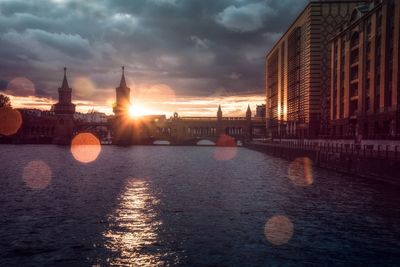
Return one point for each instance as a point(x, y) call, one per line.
point(133, 227)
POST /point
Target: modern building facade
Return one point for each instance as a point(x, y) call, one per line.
point(365, 73)
point(298, 71)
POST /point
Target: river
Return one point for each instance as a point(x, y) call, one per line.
point(189, 206)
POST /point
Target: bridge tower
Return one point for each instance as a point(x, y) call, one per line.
point(249, 134)
point(219, 113)
point(122, 126)
point(248, 113)
point(64, 110)
point(219, 126)
point(122, 105)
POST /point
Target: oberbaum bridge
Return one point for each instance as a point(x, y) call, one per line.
point(60, 127)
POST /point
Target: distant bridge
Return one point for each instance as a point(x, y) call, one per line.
point(191, 130)
point(178, 130)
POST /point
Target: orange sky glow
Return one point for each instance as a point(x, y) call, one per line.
point(185, 106)
point(146, 99)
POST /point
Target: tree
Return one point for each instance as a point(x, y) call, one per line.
point(4, 101)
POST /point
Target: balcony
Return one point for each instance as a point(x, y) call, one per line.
point(354, 48)
point(354, 79)
point(354, 98)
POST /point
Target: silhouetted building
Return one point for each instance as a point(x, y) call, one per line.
point(92, 116)
point(365, 70)
point(298, 71)
point(46, 127)
point(122, 105)
point(123, 126)
point(260, 111)
point(219, 113)
point(64, 105)
point(64, 111)
point(38, 127)
point(248, 113)
point(61, 123)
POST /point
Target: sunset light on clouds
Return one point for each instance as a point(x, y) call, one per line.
point(150, 99)
point(185, 106)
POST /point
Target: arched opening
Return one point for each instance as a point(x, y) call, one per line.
point(354, 15)
point(205, 142)
point(354, 40)
point(161, 143)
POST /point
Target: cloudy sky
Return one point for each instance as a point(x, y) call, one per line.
point(180, 55)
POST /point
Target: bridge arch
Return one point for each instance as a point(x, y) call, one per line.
point(96, 134)
point(161, 143)
point(205, 142)
point(234, 131)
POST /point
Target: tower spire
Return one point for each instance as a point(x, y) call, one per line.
point(219, 113)
point(123, 82)
point(64, 106)
point(65, 81)
point(248, 112)
point(122, 96)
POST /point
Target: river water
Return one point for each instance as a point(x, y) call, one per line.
point(189, 206)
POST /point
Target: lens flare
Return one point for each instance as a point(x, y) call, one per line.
point(85, 147)
point(300, 171)
point(205, 143)
point(11, 121)
point(21, 86)
point(226, 148)
point(278, 230)
point(37, 175)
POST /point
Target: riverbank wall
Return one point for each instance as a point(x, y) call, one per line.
point(381, 165)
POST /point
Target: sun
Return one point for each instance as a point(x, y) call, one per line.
point(136, 110)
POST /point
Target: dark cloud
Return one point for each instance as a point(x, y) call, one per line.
point(245, 18)
point(197, 48)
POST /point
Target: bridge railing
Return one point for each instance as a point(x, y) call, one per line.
point(214, 118)
point(257, 119)
point(234, 118)
point(382, 152)
point(198, 118)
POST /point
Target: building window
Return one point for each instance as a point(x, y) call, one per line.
point(369, 28)
point(294, 101)
point(355, 40)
